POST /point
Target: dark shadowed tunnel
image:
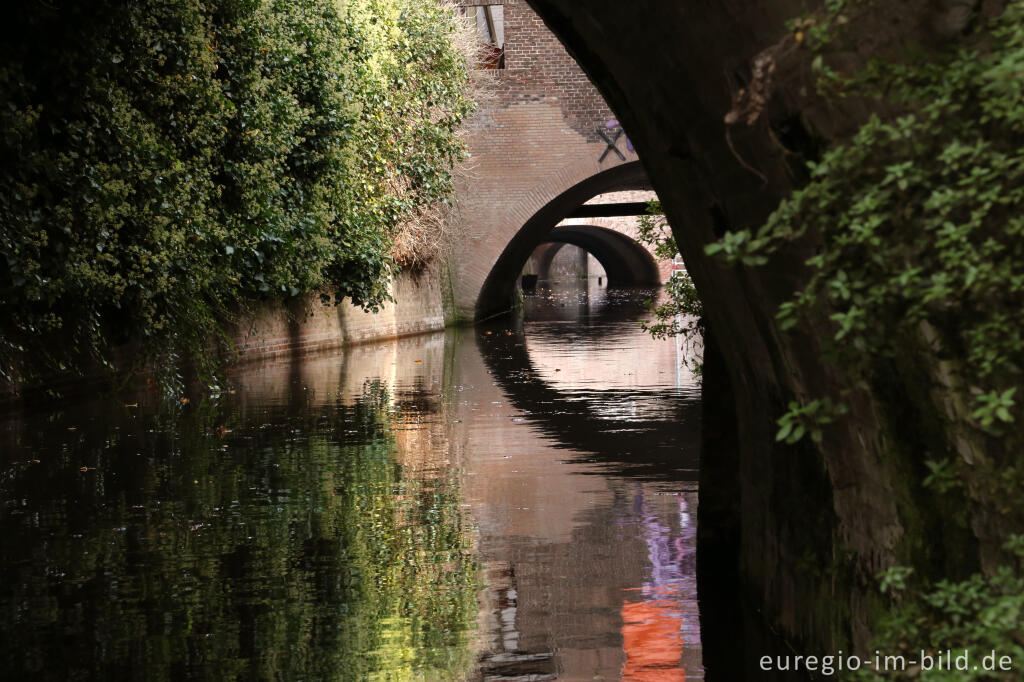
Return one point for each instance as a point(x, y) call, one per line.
point(672, 72)
point(623, 259)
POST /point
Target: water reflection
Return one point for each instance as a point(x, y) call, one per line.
point(251, 539)
point(583, 490)
point(596, 384)
point(661, 632)
point(516, 504)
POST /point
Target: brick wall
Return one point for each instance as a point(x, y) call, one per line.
point(537, 137)
point(277, 334)
point(274, 331)
point(537, 67)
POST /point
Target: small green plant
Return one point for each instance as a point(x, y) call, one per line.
point(682, 312)
point(981, 616)
point(994, 406)
point(894, 579)
point(808, 418)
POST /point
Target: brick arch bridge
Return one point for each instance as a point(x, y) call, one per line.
point(682, 78)
point(544, 144)
point(623, 258)
point(626, 262)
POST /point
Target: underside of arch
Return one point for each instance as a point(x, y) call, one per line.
point(625, 261)
point(497, 292)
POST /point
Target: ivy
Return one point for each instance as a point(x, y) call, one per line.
point(917, 219)
point(808, 418)
point(979, 615)
point(681, 312)
point(919, 216)
point(166, 164)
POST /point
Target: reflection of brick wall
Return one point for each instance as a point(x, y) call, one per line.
point(535, 139)
point(276, 334)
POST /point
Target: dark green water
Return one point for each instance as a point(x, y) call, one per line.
point(510, 502)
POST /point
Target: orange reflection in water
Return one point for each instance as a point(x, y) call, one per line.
point(653, 641)
point(653, 628)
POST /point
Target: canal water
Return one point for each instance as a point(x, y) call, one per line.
point(515, 501)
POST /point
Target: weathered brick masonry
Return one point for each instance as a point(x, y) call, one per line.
point(537, 68)
point(537, 138)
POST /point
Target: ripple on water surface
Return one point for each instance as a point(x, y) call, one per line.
point(512, 502)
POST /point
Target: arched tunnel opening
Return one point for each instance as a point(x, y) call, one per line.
point(625, 261)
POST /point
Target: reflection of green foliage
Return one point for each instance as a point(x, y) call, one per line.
point(290, 548)
point(167, 162)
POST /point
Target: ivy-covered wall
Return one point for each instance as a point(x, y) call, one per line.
point(167, 163)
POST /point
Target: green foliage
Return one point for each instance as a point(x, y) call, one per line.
point(808, 418)
point(942, 475)
point(653, 230)
point(980, 615)
point(894, 579)
point(920, 217)
point(994, 405)
point(738, 248)
point(166, 162)
point(682, 312)
point(918, 221)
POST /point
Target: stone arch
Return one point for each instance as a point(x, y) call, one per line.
point(495, 295)
point(677, 79)
point(625, 261)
